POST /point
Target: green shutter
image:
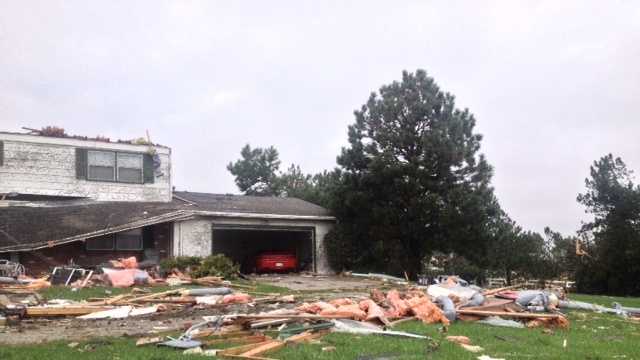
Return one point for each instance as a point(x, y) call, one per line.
point(1, 153)
point(81, 163)
point(147, 169)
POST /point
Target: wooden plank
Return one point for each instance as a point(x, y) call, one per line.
point(495, 291)
point(270, 346)
point(65, 311)
point(237, 350)
point(246, 357)
point(267, 323)
point(523, 315)
point(253, 339)
point(491, 306)
point(156, 295)
point(149, 340)
point(303, 317)
point(86, 280)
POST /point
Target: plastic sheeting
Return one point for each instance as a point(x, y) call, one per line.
point(360, 328)
point(120, 313)
point(208, 291)
point(448, 308)
point(498, 321)
point(580, 305)
point(126, 277)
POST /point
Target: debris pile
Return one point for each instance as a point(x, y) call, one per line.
point(242, 318)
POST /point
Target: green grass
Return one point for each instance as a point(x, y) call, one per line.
point(63, 292)
point(591, 336)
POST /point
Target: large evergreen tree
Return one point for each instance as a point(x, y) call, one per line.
point(412, 181)
point(613, 264)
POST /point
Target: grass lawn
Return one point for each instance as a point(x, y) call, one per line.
point(592, 336)
point(63, 292)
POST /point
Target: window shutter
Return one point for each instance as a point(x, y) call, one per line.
point(147, 169)
point(81, 163)
point(1, 153)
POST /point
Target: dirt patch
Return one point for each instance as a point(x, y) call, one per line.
point(318, 283)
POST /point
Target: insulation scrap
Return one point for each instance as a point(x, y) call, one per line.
point(342, 301)
point(316, 307)
point(38, 284)
point(377, 296)
point(399, 307)
point(558, 322)
point(459, 339)
point(326, 309)
point(374, 311)
point(352, 311)
point(237, 298)
point(427, 311)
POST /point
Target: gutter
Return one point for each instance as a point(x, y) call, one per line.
point(262, 216)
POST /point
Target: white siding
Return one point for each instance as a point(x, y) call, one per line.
point(192, 238)
point(48, 168)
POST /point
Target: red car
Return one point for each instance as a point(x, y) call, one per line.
point(276, 261)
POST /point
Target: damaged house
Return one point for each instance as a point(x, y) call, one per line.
point(84, 201)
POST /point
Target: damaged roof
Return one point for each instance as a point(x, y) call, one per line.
point(29, 227)
point(49, 223)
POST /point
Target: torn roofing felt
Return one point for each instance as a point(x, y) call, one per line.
point(24, 228)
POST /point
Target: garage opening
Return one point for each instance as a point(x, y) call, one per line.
point(245, 245)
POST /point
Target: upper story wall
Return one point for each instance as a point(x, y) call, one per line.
point(31, 164)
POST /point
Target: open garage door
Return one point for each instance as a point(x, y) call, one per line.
point(245, 244)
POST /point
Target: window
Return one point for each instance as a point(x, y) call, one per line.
point(129, 240)
point(129, 168)
point(112, 166)
point(101, 243)
point(102, 165)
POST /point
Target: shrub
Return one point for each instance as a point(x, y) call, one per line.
point(217, 265)
point(182, 263)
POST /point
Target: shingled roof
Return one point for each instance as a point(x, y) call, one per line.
point(28, 227)
point(57, 222)
point(253, 204)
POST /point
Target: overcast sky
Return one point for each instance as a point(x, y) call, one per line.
point(554, 85)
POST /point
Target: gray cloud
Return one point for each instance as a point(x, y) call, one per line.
point(554, 85)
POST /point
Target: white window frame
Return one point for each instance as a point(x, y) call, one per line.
point(116, 170)
point(115, 165)
point(141, 181)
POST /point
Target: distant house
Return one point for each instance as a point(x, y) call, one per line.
point(85, 201)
